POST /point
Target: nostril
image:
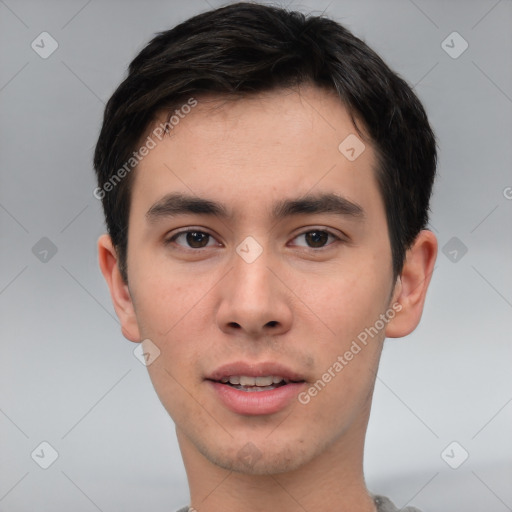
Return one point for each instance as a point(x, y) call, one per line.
point(273, 323)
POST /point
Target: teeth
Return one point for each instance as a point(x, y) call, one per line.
point(244, 380)
point(264, 381)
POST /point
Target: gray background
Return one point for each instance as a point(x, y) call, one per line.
point(68, 377)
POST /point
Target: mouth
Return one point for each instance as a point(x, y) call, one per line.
point(256, 384)
point(255, 389)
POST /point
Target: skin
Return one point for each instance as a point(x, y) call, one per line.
point(300, 305)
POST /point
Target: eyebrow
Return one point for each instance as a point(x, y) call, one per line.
point(175, 204)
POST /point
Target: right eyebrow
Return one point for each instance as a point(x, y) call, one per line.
point(179, 204)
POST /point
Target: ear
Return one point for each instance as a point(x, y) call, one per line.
point(119, 290)
point(412, 284)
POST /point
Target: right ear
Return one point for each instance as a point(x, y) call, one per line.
point(119, 291)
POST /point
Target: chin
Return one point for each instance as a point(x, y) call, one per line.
point(264, 459)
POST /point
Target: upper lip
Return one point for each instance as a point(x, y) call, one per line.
point(248, 369)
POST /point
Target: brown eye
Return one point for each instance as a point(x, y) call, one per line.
point(316, 239)
point(197, 239)
point(193, 239)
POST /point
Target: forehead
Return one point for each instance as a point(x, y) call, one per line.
point(281, 142)
point(281, 118)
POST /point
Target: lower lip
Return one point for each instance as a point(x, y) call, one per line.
point(257, 402)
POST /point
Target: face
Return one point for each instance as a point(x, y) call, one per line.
point(279, 278)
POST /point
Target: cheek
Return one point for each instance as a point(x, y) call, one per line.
point(345, 380)
point(170, 388)
point(161, 300)
point(350, 305)
point(345, 303)
point(170, 311)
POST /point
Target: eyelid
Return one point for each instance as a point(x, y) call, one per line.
point(338, 235)
point(169, 239)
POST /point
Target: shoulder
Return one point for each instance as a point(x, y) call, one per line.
point(386, 505)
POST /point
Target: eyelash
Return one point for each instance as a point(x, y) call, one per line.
point(172, 239)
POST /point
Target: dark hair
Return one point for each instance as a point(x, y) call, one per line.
point(246, 48)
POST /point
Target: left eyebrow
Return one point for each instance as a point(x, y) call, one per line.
point(315, 204)
point(175, 204)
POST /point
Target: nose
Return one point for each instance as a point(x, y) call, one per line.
point(254, 300)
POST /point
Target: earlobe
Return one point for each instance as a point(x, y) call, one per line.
point(412, 284)
point(119, 292)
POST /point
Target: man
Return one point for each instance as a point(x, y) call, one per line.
point(266, 180)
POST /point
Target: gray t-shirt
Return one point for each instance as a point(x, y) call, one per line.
point(383, 505)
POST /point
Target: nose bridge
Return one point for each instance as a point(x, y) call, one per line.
point(251, 276)
point(252, 297)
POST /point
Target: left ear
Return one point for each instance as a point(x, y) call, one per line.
point(412, 284)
